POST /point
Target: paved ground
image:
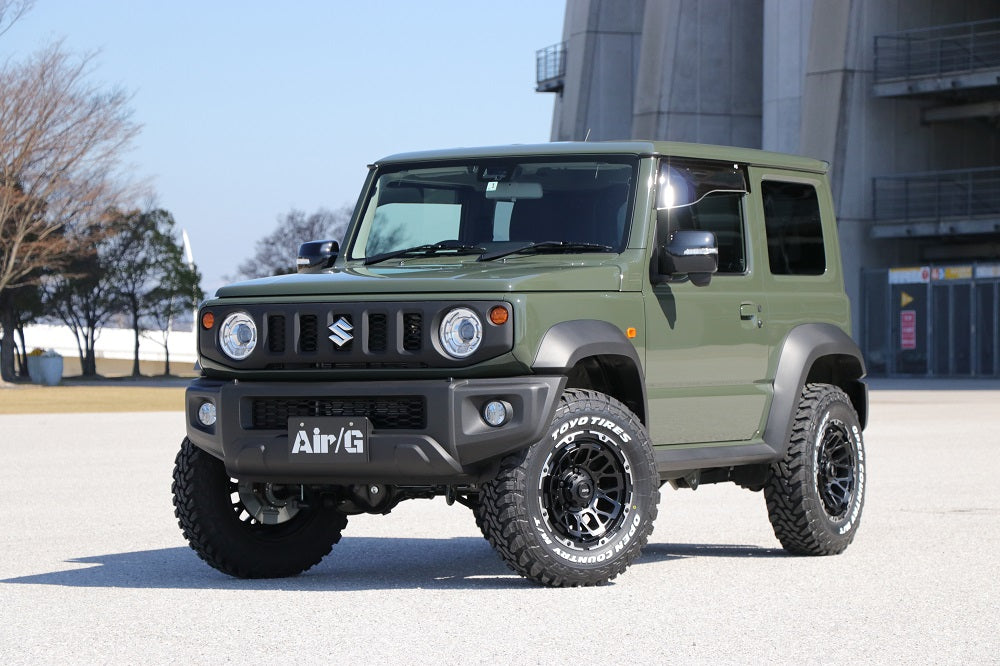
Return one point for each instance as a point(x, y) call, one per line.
point(94, 568)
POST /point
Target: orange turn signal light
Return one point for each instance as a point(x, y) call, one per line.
point(207, 320)
point(630, 332)
point(499, 315)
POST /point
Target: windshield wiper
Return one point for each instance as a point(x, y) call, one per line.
point(426, 250)
point(544, 246)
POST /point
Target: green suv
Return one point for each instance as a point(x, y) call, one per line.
point(546, 335)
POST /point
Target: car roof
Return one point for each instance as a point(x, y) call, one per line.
point(638, 148)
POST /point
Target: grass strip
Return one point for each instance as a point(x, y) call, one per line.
point(32, 399)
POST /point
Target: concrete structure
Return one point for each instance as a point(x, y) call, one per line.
point(902, 97)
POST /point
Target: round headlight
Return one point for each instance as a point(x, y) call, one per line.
point(238, 336)
point(461, 332)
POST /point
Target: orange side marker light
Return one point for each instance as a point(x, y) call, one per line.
point(499, 315)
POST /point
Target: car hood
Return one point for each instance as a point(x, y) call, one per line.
point(435, 278)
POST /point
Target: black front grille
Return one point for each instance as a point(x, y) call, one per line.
point(354, 335)
point(378, 334)
point(388, 413)
point(276, 333)
point(413, 331)
point(308, 333)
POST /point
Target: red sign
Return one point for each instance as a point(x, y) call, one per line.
point(907, 329)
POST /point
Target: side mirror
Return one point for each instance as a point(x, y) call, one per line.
point(691, 253)
point(315, 256)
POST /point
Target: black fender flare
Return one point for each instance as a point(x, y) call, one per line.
point(568, 342)
point(800, 350)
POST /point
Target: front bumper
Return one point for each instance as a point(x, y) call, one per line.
point(450, 444)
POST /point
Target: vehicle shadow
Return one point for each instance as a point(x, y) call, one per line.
point(668, 551)
point(359, 563)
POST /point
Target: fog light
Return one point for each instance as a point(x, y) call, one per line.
point(497, 412)
point(206, 414)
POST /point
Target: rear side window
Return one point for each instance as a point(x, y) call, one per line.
point(793, 228)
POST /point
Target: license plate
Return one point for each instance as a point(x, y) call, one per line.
point(340, 438)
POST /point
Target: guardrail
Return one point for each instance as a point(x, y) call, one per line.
point(550, 67)
point(946, 49)
point(964, 193)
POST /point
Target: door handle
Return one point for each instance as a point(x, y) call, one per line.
point(751, 312)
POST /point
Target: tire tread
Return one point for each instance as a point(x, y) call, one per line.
point(793, 513)
point(208, 538)
point(503, 518)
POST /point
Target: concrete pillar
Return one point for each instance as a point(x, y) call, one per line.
point(787, 25)
point(832, 89)
point(700, 72)
point(602, 54)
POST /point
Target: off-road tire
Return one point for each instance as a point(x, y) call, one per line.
point(219, 530)
point(816, 494)
point(536, 513)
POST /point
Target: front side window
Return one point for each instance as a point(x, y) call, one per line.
point(705, 196)
point(497, 207)
point(793, 228)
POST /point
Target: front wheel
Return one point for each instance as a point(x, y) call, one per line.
point(576, 507)
point(816, 494)
point(249, 530)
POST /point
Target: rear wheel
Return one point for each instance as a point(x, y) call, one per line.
point(816, 494)
point(249, 530)
point(577, 507)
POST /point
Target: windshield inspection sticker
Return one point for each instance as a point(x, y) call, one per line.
point(491, 186)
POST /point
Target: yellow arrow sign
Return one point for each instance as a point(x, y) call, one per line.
point(905, 299)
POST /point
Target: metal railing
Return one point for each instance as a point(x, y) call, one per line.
point(965, 193)
point(946, 49)
point(550, 67)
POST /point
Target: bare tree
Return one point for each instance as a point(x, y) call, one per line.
point(26, 303)
point(61, 144)
point(10, 12)
point(275, 253)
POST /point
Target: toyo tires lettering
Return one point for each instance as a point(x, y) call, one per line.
point(597, 421)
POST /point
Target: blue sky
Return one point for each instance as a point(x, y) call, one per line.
point(251, 108)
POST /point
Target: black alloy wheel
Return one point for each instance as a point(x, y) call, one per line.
point(586, 492)
point(835, 470)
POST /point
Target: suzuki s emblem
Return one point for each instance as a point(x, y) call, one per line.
point(341, 330)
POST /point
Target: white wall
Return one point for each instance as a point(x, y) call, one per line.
point(116, 343)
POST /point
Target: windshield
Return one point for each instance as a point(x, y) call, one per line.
point(498, 206)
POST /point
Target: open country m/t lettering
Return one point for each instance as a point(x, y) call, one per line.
point(546, 335)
